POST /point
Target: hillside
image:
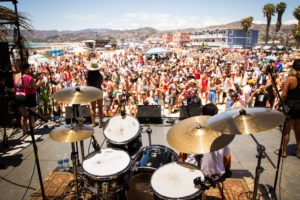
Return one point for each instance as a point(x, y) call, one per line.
point(134, 34)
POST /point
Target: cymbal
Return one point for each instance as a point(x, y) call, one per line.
point(194, 137)
point(246, 121)
point(68, 133)
point(77, 95)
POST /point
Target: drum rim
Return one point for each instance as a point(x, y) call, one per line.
point(124, 142)
point(156, 145)
point(195, 194)
point(108, 177)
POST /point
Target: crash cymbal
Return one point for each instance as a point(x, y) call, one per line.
point(77, 95)
point(194, 137)
point(246, 121)
point(68, 133)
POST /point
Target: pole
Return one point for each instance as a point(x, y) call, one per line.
point(35, 150)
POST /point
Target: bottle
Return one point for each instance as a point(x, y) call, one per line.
point(66, 162)
point(59, 163)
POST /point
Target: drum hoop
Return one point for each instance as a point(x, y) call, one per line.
point(127, 141)
point(108, 177)
point(195, 194)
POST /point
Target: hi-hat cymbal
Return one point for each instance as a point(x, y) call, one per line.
point(77, 95)
point(194, 137)
point(246, 121)
point(68, 133)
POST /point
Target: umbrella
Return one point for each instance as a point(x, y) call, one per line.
point(156, 51)
point(37, 59)
point(271, 58)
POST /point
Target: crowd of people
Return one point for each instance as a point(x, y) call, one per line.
point(228, 78)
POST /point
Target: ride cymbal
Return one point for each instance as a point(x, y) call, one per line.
point(194, 137)
point(77, 95)
point(68, 133)
point(246, 121)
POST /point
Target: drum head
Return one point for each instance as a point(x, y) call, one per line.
point(108, 162)
point(120, 130)
point(139, 187)
point(176, 180)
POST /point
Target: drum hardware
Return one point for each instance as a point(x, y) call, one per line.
point(74, 158)
point(272, 191)
point(175, 181)
point(246, 121)
point(106, 173)
point(96, 145)
point(123, 132)
point(192, 136)
point(148, 131)
point(145, 162)
point(77, 95)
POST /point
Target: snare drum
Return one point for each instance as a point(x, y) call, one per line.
point(106, 171)
point(146, 161)
point(176, 181)
point(123, 133)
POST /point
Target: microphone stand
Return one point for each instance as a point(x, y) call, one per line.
point(273, 190)
point(35, 150)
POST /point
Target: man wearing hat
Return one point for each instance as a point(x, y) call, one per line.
point(95, 79)
point(291, 96)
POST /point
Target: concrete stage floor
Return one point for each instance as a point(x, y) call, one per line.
point(17, 161)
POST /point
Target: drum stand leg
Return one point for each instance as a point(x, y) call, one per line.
point(198, 158)
point(74, 158)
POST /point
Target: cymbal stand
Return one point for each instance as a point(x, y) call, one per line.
point(78, 122)
point(198, 158)
point(273, 190)
point(260, 154)
point(74, 158)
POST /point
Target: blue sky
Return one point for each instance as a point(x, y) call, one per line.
point(131, 14)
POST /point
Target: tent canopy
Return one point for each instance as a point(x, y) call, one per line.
point(156, 51)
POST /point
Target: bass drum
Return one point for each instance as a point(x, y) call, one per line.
point(106, 172)
point(176, 181)
point(123, 132)
point(146, 161)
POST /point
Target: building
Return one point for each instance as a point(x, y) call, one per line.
point(167, 37)
point(232, 38)
point(182, 38)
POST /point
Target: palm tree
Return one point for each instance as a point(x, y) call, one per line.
point(296, 29)
point(8, 21)
point(280, 8)
point(268, 10)
point(246, 24)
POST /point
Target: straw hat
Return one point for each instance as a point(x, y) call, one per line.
point(93, 66)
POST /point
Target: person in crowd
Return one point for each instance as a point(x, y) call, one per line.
point(291, 96)
point(95, 79)
point(217, 162)
point(30, 89)
point(21, 101)
point(261, 97)
point(172, 94)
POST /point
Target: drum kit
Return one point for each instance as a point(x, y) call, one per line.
point(126, 170)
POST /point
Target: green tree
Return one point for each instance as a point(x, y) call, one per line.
point(296, 29)
point(246, 24)
point(280, 8)
point(268, 10)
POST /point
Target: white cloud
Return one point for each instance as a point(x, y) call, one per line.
point(82, 17)
point(290, 21)
point(165, 21)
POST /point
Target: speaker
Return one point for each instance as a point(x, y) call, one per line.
point(4, 58)
point(9, 115)
point(189, 111)
point(149, 114)
point(84, 111)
